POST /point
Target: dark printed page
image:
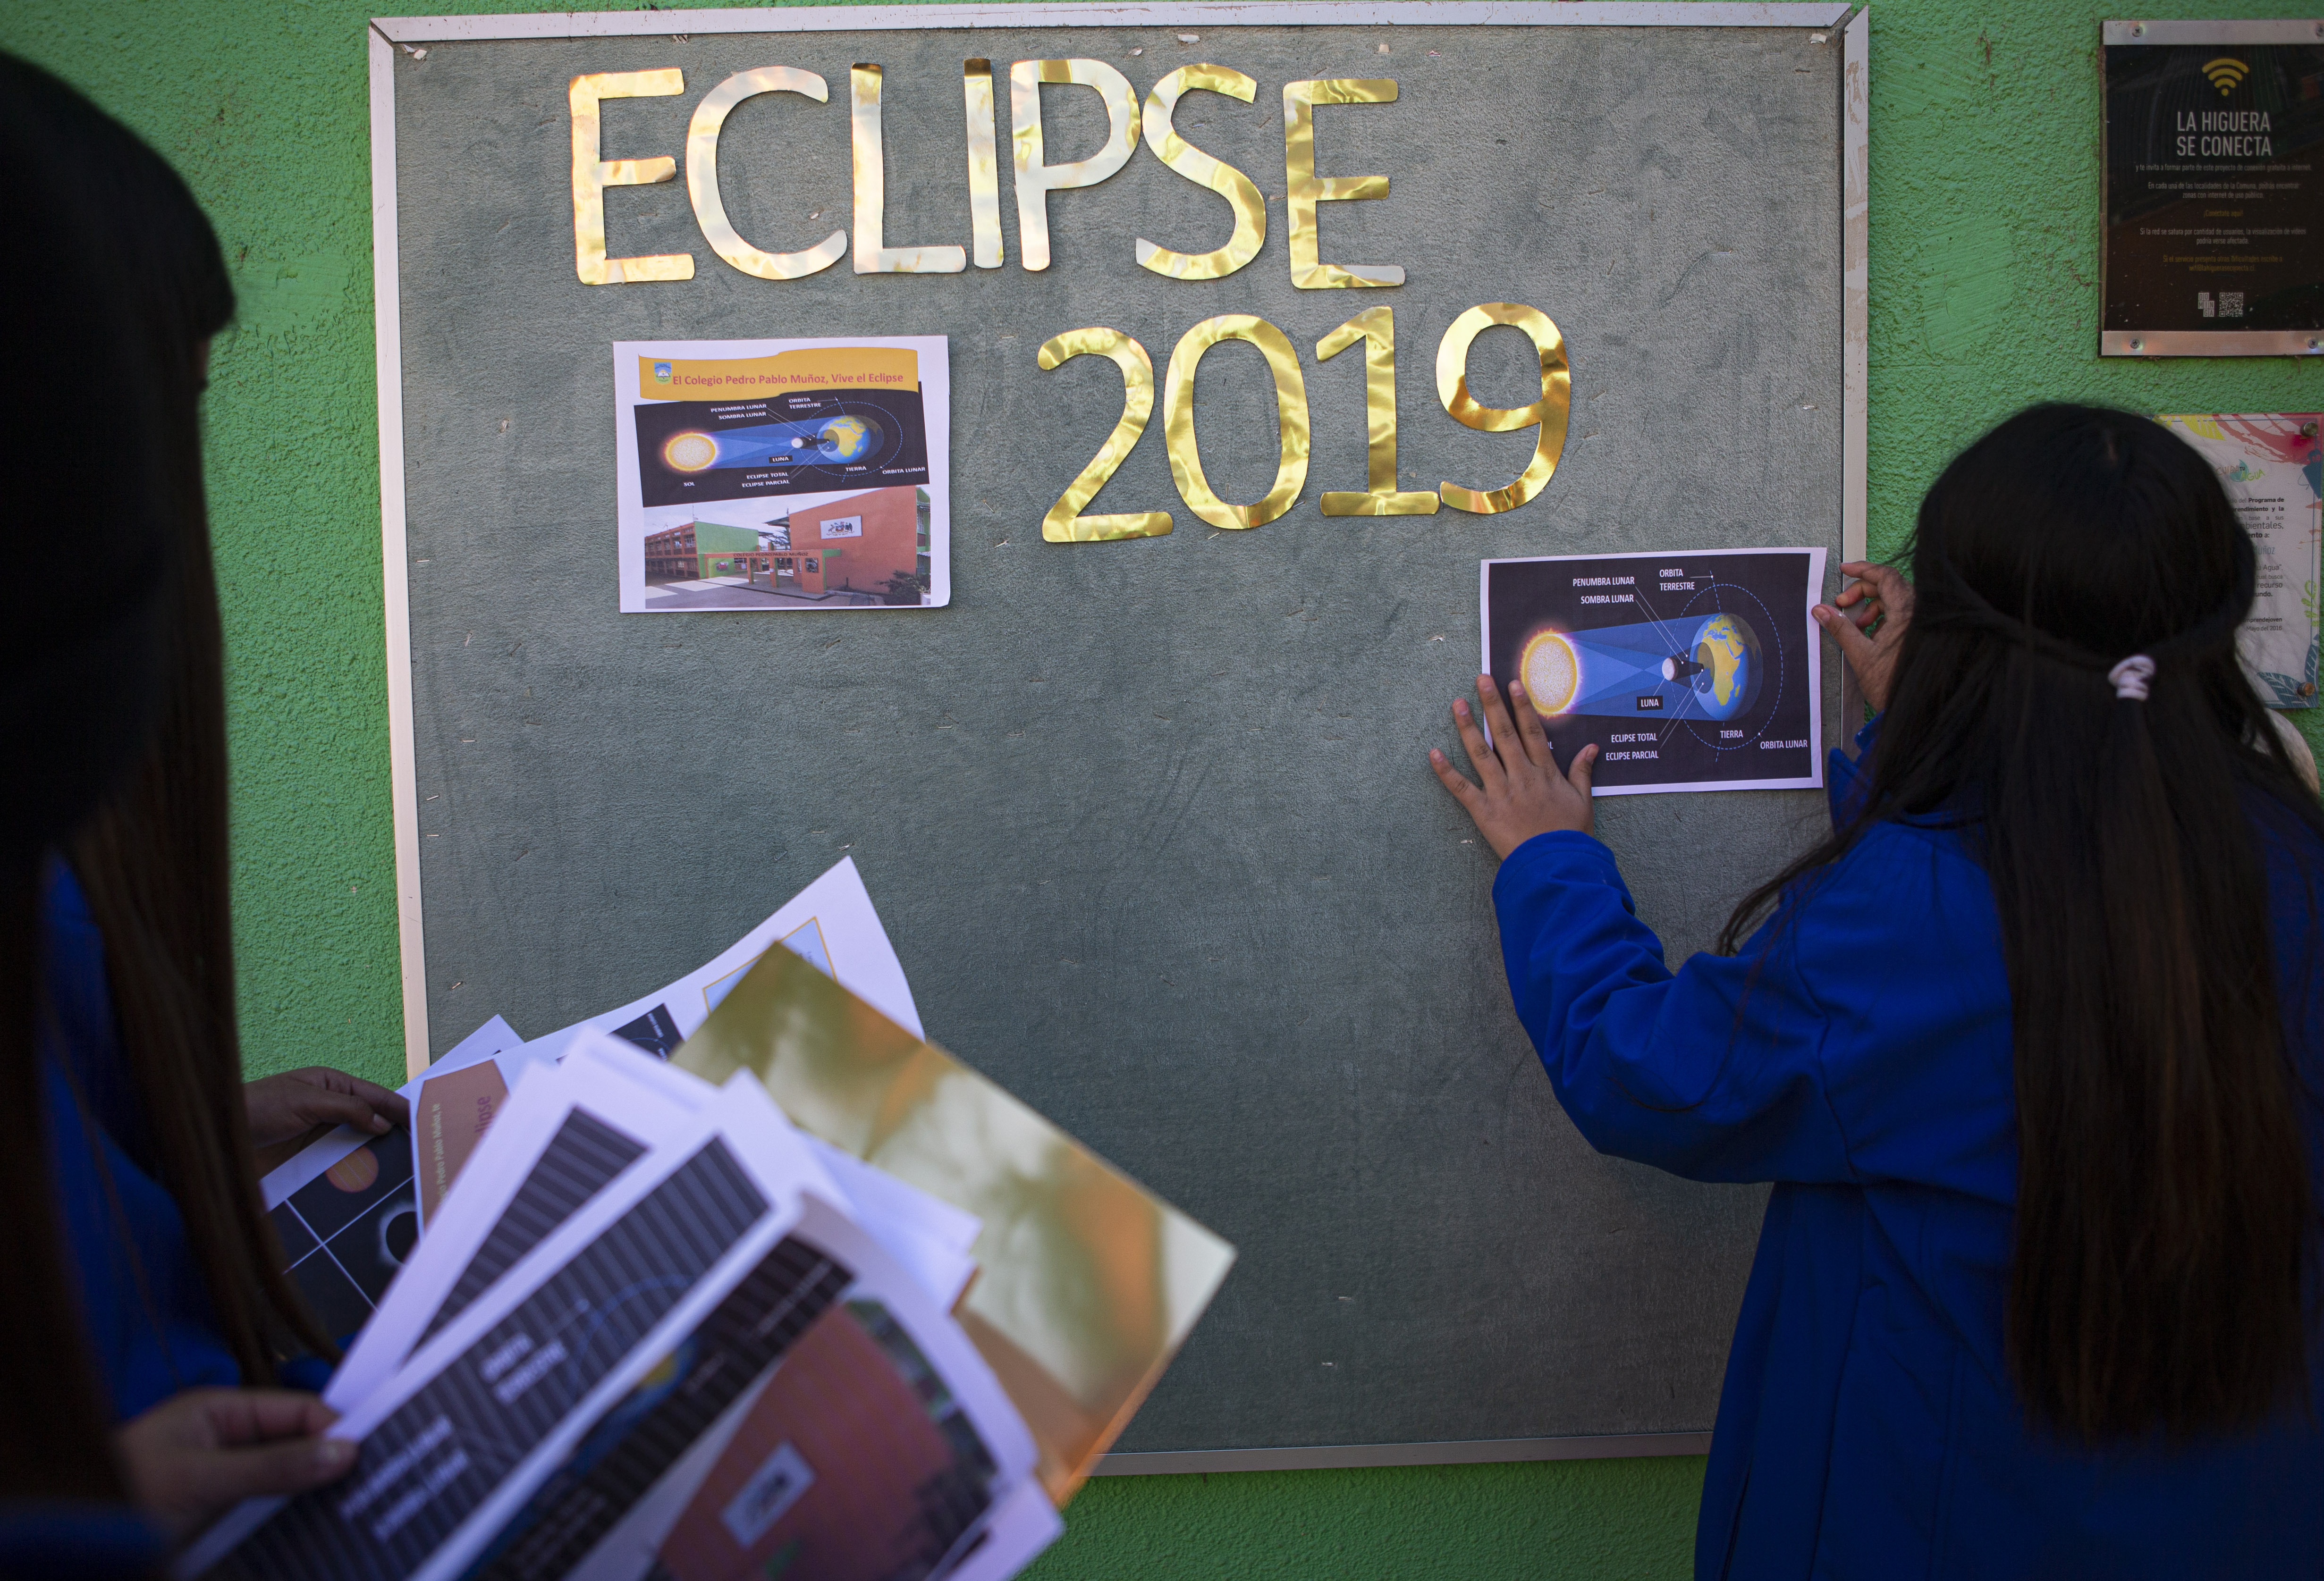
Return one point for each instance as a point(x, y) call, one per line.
point(433, 1458)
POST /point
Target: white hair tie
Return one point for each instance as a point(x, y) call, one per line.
point(2130, 677)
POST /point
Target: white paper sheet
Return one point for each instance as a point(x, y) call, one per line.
point(831, 923)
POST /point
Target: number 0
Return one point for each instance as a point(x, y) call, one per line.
point(1290, 416)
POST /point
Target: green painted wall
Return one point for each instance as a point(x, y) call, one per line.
point(715, 537)
point(1984, 248)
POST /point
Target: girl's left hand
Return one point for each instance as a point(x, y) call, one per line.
point(1522, 792)
point(198, 1454)
point(285, 1109)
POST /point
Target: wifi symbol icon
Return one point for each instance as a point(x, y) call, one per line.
point(2225, 75)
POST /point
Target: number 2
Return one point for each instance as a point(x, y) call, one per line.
point(1063, 524)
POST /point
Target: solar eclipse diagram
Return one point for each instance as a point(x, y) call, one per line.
point(783, 474)
point(1693, 670)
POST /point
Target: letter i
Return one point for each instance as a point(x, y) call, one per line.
point(983, 165)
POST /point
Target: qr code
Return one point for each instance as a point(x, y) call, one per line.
point(2231, 304)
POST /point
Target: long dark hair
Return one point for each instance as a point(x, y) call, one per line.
point(2164, 1230)
point(147, 834)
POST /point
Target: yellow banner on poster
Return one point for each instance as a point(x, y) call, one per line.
point(842, 367)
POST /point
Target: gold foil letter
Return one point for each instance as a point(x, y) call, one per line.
point(1063, 524)
point(1304, 188)
point(1375, 328)
point(983, 165)
point(1034, 180)
point(1290, 410)
point(592, 175)
point(873, 255)
point(1242, 194)
point(1551, 411)
point(702, 175)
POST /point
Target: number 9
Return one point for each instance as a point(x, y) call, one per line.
point(1550, 412)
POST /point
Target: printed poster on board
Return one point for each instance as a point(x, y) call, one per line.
point(783, 474)
point(2274, 475)
point(1693, 670)
point(2214, 240)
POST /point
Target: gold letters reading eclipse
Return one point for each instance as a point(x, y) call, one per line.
point(1034, 180)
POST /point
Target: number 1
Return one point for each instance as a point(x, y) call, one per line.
point(1375, 328)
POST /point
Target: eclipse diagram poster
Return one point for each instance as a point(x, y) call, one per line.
point(783, 474)
point(1693, 670)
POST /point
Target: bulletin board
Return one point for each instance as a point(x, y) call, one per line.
point(1149, 821)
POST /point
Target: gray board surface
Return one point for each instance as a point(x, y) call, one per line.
point(1149, 823)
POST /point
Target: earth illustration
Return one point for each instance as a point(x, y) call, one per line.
point(845, 439)
point(1728, 651)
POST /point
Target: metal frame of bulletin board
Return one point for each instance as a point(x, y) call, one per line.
point(389, 38)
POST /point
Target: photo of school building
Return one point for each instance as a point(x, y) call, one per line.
point(861, 545)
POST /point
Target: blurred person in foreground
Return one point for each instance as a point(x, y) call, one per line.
point(147, 1320)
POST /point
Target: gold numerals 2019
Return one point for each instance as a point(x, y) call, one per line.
point(1376, 330)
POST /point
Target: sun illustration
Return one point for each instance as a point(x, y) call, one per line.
point(691, 452)
point(1551, 672)
point(356, 1172)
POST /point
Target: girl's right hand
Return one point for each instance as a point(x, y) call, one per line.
point(197, 1455)
point(1879, 591)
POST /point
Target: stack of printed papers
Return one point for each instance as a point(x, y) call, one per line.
point(350, 1207)
point(782, 1306)
point(657, 1332)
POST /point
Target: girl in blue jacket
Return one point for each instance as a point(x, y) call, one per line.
point(2032, 1046)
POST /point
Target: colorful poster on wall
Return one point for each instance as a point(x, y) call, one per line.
point(783, 474)
point(2273, 471)
point(1693, 670)
point(2214, 210)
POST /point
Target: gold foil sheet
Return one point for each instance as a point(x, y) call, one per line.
point(591, 175)
point(1290, 410)
point(1375, 328)
point(1063, 524)
point(1087, 1283)
point(1034, 180)
point(1242, 194)
point(1304, 188)
point(872, 254)
point(1552, 411)
point(983, 165)
point(702, 174)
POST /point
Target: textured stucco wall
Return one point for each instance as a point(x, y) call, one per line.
point(1985, 236)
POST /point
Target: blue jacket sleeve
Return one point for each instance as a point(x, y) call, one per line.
point(1715, 1072)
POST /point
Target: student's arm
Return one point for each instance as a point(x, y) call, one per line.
point(1715, 1072)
